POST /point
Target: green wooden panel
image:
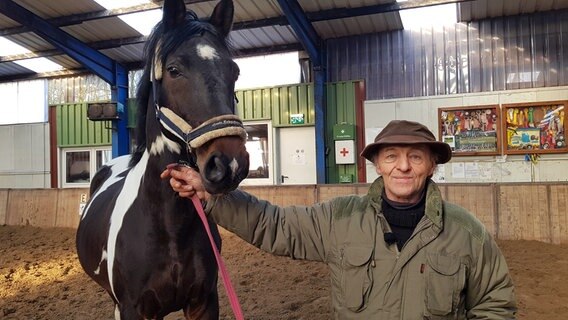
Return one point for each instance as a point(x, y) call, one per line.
point(75, 130)
point(277, 103)
point(252, 104)
point(258, 109)
point(132, 110)
point(340, 109)
point(266, 99)
point(83, 124)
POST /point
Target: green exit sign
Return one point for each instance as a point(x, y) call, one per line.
point(297, 118)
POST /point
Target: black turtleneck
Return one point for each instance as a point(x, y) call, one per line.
point(403, 217)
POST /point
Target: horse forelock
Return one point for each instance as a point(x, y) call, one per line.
point(159, 46)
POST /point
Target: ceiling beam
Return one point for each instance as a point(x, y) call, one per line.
point(79, 18)
point(136, 65)
point(45, 75)
point(111, 44)
point(92, 59)
point(341, 13)
point(329, 14)
point(303, 28)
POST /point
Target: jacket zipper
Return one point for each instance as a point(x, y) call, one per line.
point(422, 225)
point(342, 267)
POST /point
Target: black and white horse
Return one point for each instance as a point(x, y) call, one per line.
point(138, 240)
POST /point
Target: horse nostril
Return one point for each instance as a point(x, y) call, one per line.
point(215, 170)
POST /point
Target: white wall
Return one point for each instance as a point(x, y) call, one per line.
point(512, 168)
point(24, 159)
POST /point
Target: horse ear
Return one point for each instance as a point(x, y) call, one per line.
point(222, 16)
point(174, 13)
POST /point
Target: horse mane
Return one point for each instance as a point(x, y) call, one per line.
point(169, 42)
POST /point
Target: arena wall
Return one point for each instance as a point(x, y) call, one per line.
point(536, 211)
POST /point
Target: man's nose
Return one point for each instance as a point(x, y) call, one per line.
point(403, 164)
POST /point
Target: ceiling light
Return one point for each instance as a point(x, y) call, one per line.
point(8, 48)
point(39, 65)
point(143, 21)
point(116, 4)
point(426, 17)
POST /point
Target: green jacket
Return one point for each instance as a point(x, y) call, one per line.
point(450, 268)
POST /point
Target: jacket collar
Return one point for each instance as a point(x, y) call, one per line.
point(433, 209)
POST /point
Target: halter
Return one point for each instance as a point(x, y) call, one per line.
point(219, 126)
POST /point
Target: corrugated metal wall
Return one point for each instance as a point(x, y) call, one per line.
point(75, 130)
point(527, 51)
point(77, 89)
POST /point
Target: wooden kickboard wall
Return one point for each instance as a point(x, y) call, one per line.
point(522, 211)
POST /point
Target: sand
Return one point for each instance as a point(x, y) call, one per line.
point(40, 278)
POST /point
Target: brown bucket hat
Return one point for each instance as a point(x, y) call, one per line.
point(403, 132)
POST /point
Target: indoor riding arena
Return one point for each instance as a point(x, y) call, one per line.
point(299, 89)
point(42, 278)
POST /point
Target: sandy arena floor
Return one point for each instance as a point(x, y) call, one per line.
point(40, 278)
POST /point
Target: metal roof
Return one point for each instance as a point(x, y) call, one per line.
point(260, 26)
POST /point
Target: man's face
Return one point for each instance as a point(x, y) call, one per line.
point(405, 170)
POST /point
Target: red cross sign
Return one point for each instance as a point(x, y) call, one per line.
point(345, 152)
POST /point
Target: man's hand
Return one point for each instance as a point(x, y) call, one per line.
point(185, 181)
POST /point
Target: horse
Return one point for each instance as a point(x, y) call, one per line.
point(136, 238)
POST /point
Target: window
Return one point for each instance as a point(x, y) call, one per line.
point(260, 155)
point(27, 101)
point(80, 165)
point(77, 167)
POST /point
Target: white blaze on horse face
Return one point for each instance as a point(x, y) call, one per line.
point(117, 166)
point(207, 52)
point(124, 200)
point(161, 143)
point(234, 165)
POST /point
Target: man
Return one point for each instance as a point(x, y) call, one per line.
point(399, 252)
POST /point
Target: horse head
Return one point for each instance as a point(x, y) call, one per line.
point(188, 91)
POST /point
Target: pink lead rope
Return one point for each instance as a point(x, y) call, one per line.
point(224, 274)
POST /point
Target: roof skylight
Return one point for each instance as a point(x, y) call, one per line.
point(433, 16)
point(8, 48)
point(116, 4)
point(142, 22)
point(39, 65)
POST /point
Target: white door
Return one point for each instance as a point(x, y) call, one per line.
point(296, 152)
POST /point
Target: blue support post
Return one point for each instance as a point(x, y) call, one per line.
point(313, 45)
point(120, 134)
point(320, 103)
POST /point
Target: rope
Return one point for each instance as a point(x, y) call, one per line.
point(233, 299)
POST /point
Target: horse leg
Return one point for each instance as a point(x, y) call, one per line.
point(126, 311)
point(209, 310)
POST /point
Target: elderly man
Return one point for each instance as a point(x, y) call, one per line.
point(399, 252)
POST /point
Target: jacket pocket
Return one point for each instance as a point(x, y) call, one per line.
point(357, 277)
point(443, 286)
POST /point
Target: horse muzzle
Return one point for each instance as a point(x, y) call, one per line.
point(218, 145)
point(223, 163)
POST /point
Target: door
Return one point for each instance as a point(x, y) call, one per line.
point(296, 152)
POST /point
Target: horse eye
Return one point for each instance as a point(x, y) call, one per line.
point(174, 72)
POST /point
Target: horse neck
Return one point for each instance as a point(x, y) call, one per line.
point(169, 209)
point(161, 150)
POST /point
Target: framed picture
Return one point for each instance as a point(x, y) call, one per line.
point(470, 130)
point(534, 127)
